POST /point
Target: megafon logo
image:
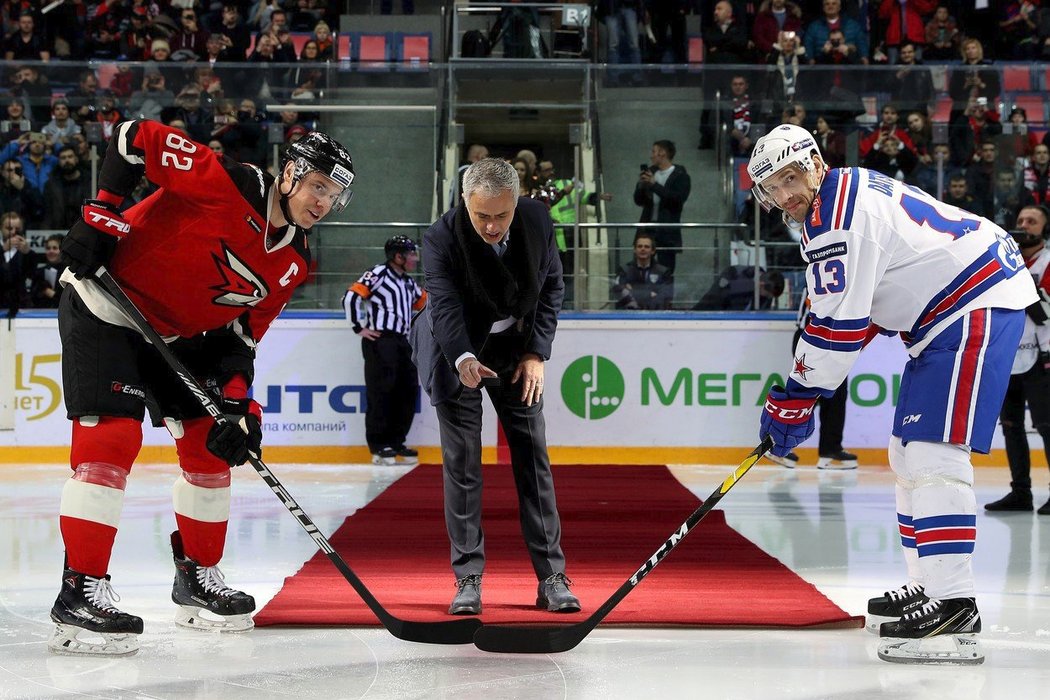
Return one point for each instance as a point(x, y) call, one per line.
point(592, 387)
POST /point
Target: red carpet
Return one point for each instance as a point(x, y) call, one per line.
point(613, 519)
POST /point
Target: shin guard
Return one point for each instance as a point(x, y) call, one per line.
point(102, 453)
point(201, 495)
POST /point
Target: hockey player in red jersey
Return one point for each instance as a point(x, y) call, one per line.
point(210, 259)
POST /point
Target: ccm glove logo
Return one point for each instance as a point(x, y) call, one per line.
point(791, 411)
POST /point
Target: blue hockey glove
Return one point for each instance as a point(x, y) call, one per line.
point(788, 419)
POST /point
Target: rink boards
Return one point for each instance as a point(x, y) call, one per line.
point(618, 391)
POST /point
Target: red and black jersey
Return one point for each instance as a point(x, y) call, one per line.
point(197, 257)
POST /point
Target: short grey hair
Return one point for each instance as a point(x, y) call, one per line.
point(491, 177)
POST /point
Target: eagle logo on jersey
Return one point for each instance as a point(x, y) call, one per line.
point(801, 368)
point(241, 286)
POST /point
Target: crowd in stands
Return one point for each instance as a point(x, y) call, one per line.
point(209, 67)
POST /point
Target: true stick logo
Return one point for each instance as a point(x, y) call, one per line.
point(592, 387)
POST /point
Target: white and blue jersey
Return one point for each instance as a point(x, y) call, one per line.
point(885, 253)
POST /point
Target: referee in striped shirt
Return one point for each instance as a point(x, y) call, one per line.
point(379, 307)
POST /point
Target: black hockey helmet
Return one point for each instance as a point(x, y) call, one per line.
point(399, 244)
point(319, 151)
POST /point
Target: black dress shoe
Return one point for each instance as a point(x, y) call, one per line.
point(468, 597)
point(554, 595)
point(1044, 509)
point(1013, 501)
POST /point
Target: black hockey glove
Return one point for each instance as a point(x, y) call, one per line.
point(228, 441)
point(92, 240)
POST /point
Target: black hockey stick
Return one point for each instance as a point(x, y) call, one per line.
point(548, 640)
point(451, 632)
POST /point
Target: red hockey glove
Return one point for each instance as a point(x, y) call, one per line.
point(92, 240)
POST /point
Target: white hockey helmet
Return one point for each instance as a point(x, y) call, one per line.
point(785, 145)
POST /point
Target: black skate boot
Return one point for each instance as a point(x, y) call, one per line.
point(202, 588)
point(85, 604)
point(939, 632)
point(893, 605)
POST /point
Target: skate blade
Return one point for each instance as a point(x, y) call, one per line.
point(959, 649)
point(193, 618)
point(782, 461)
point(835, 465)
point(407, 461)
point(64, 640)
point(384, 461)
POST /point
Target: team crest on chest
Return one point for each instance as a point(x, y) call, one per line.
point(240, 285)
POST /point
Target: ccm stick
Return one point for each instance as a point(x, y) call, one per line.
point(549, 640)
point(451, 632)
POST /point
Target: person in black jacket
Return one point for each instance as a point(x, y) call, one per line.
point(46, 290)
point(65, 191)
point(643, 283)
point(661, 192)
point(494, 283)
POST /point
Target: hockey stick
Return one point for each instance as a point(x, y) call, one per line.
point(451, 632)
point(548, 640)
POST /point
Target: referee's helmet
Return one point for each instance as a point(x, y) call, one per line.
point(399, 244)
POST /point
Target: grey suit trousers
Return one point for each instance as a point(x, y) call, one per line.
point(460, 426)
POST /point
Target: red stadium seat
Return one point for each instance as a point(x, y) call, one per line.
point(373, 50)
point(1016, 78)
point(695, 49)
point(942, 110)
point(299, 40)
point(1032, 103)
point(105, 73)
point(413, 48)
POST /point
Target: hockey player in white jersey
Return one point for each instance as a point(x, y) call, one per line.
point(887, 257)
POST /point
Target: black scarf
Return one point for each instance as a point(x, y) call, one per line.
point(506, 286)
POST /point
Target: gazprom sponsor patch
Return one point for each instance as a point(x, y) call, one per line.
point(829, 251)
point(341, 175)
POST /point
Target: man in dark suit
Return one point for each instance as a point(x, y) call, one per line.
point(661, 192)
point(495, 287)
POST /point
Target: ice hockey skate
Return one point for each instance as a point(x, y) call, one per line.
point(790, 460)
point(893, 605)
point(837, 460)
point(938, 632)
point(87, 621)
point(201, 589)
point(406, 456)
point(386, 457)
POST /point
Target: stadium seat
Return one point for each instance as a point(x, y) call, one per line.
point(342, 51)
point(413, 49)
point(1016, 78)
point(105, 73)
point(299, 40)
point(942, 110)
point(372, 51)
point(695, 50)
point(1031, 102)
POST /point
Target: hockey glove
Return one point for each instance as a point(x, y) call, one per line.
point(242, 433)
point(788, 419)
point(92, 240)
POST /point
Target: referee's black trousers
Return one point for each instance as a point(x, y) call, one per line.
point(1031, 388)
point(391, 390)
